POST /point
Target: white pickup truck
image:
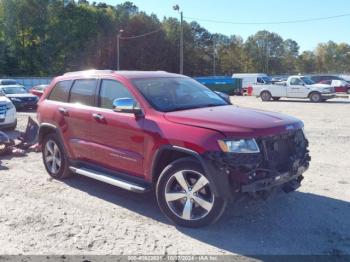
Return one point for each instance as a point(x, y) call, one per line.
point(294, 87)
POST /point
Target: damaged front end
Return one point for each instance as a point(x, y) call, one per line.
point(280, 164)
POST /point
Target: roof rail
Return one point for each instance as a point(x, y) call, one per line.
point(89, 71)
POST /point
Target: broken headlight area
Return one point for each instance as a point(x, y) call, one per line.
point(281, 161)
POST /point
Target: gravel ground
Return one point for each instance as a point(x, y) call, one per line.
point(39, 215)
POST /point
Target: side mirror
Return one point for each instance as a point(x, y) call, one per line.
point(224, 96)
point(126, 105)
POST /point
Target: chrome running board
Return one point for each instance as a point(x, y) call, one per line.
point(112, 180)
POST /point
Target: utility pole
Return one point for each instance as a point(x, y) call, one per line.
point(177, 8)
point(118, 48)
point(267, 52)
point(214, 57)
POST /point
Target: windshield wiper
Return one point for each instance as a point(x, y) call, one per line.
point(195, 107)
point(211, 105)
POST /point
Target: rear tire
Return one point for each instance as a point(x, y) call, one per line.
point(315, 97)
point(185, 195)
point(54, 157)
point(265, 96)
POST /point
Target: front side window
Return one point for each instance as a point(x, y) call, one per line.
point(83, 92)
point(111, 90)
point(177, 93)
point(60, 91)
point(296, 81)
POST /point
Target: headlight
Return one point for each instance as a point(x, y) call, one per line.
point(9, 106)
point(239, 146)
point(15, 99)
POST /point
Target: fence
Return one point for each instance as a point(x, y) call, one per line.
point(29, 82)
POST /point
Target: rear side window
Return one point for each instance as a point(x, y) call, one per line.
point(111, 90)
point(60, 91)
point(83, 92)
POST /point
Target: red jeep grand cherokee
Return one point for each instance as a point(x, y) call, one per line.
point(144, 130)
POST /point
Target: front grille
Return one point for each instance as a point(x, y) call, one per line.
point(2, 109)
point(284, 152)
point(27, 99)
point(2, 113)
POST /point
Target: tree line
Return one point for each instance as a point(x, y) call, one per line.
point(50, 37)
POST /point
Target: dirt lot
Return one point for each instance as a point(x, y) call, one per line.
point(80, 216)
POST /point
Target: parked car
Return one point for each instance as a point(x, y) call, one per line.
point(7, 82)
point(340, 86)
point(320, 78)
point(19, 96)
point(38, 90)
point(144, 130)
point(8, 118)
point(295, 87)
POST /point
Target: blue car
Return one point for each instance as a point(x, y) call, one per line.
point(19, 96)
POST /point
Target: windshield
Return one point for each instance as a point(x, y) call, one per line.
point(173, 94)
point(14, 90)
point(266, 79)
point(307, 80)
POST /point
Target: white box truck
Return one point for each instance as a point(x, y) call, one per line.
point(249, 79)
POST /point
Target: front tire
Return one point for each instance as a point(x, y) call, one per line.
point(185, 195)
point(315, 97)
point(265, 96)
point(54, 157)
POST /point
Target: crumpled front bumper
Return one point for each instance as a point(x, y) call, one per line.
point(232, 173)
point(272, 182)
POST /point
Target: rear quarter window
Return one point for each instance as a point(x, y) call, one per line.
point(60, 91)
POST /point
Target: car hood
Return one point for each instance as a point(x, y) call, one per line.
point(236, 121)
point(4, 99)
point(20, 95)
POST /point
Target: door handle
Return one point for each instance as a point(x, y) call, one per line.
point(98, 117)
point(63, 111)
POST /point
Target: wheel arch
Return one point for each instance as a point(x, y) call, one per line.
point(169, 153)
point(265, 90)
point(313, 92)
point(45, 129)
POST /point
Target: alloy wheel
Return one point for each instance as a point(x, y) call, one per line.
point(188, 195)
point(53, 157)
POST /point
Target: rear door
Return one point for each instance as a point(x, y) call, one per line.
point(117, 139)
point(78, 115)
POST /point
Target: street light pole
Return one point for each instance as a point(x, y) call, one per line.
point(177, 8)
point(118, 48)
